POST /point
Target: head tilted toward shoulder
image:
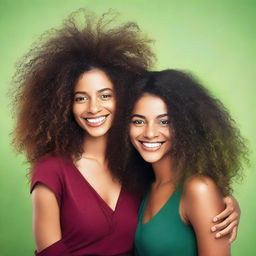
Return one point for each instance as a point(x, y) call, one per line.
point(46, 76)
point(204, 139)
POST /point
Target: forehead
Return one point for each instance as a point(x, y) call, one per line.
point(92, 81)
point(150, 106)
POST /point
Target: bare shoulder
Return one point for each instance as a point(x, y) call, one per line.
point(201, 197)
point(201, 201)
point(200, 186)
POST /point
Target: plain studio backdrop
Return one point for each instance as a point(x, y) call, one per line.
point(216, 40)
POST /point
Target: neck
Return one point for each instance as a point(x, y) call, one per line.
point(163, 170)
point(95, 148)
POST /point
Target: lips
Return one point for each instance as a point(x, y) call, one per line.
point(95, 121)
point(151, 146)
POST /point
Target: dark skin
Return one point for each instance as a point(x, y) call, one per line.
point(146, 128)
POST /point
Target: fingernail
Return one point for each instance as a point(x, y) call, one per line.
point(217, 235)
point(213, 229)
point(215, 219)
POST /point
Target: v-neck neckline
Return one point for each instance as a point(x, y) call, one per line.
point(97, 194)
point(158, 212)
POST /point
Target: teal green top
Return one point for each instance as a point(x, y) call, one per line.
point(165, 234)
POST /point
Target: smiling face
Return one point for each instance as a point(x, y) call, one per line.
point(149, 128)
point(94, 103)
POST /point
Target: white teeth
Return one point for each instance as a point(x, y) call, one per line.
point(96, 120)
point(151, 145)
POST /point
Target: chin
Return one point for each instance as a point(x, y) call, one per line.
point(150, 159)
point(97, 132)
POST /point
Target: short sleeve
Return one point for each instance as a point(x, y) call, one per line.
point(48, 172)
point(56, 249)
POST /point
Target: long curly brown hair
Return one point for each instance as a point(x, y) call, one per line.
point(46, 75)
point(206, 140)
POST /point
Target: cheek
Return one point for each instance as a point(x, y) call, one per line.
point(76, 109)
point(168, 146)
point(113, 106)
point(110, 106)
point(165, 131)
point(133, 133)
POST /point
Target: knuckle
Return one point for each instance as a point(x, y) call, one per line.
point(228, 200)
point(217, 227)
point(225, 232)
point(230, 210)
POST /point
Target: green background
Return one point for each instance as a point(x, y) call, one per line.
point(214, 39)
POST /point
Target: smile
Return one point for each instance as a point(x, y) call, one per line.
point(151, 145)
point(95, 121)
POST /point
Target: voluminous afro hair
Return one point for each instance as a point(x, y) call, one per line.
point(205, 138)
point(46, 76)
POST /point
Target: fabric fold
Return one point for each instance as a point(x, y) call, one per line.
point(56, 249)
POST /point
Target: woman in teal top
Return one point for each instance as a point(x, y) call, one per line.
point(162, 234)
point(189, 150)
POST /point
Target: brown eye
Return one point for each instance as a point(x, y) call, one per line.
point(164, 122)
point(138, 122)
point(105, 96)
point(81, 99)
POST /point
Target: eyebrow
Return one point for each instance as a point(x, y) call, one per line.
point(99, 91)
point(143, 117)
point(140, 116)
point(162, 115)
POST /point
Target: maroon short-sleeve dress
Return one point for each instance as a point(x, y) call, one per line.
point(89, 226)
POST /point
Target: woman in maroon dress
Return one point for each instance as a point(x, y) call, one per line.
point(70, 87)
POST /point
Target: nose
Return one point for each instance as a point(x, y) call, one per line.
point(151, 131)
point(94, 106)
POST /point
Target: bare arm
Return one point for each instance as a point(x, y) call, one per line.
point(46, 217)
point(201, 201)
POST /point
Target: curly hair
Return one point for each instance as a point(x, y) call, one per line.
point(206, 141)
point(46, 76)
